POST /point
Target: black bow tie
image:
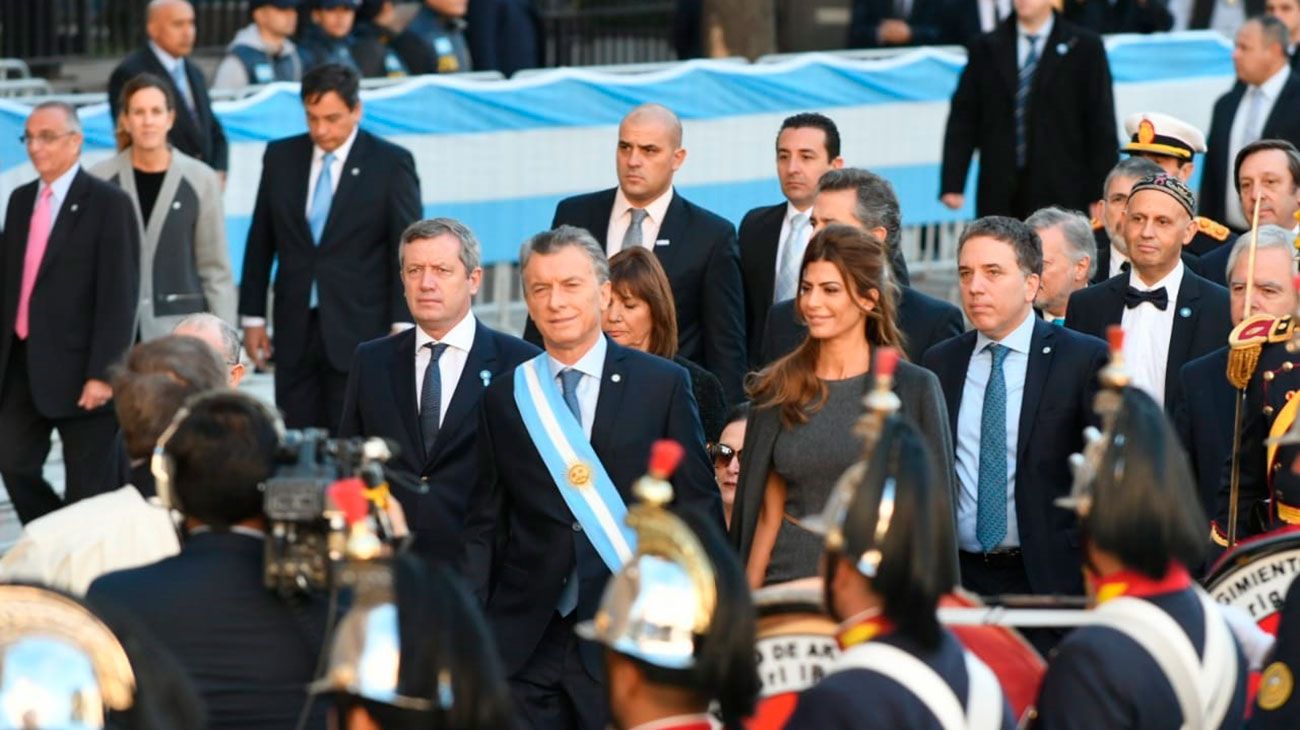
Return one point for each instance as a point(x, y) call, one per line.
point(1158, 297)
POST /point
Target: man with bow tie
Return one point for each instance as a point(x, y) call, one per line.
point(1170, 314)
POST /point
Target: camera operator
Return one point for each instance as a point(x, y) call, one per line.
point(250, 654)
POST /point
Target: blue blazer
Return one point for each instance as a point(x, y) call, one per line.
point(1052, 420)
point(381, 400)
point(521, 541)
point(1205, 422)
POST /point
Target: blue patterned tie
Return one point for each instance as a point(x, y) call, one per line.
point(569, 594)
point(1022, 100)
point(431, 398)
point(991, 513)
point(320, 209)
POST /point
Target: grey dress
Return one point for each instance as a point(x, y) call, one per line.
point(825, 450)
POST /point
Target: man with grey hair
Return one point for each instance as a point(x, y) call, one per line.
point(69, 282)
point(421, 388)
point(561, 442)
point(1205, 422)
point(221, 336)
point(696, 247)
point(1068, 253)
point(197, 132)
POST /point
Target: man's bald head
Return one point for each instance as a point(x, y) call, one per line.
point(170, 25)
point(660, 115)
point(220, 336)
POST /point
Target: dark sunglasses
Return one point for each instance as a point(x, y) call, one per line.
point(723, 454)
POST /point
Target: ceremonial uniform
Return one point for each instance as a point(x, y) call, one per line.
point(865, 699)
point(1276, 706)
point(1101, 677)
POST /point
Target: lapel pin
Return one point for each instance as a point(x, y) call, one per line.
point(485, 376)
point(1061, 49)
point(1047, 350)
point(356, 171)
point(74, 207)
point(615, 378)
point(1185, 312)
point(176, 205)
point(662, 242)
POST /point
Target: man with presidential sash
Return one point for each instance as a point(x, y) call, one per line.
point(561, 442)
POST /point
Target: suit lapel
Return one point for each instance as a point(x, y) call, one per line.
point(298, 192)
point(1040, 364)
point(1006, 54)
point(609, 404)
point(673, 229)
point(1048, 58)
point(1184, 329)
point(1287, 101)
point(597, 216)
point(71, 209)
point(349, 179)
point(162, 206)
point(469, 391)
point(768, 248)
point(952, 377)
point(403, 382)
point(1113, 312)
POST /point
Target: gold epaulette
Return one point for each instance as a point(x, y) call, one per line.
point(1211, 228)
point(1247, 340)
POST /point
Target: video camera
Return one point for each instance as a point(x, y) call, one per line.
point(308, 529)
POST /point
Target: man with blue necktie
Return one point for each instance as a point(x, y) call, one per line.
point(1013, 433)
point(331, 207)
point(560, 443)
point(1069, 250)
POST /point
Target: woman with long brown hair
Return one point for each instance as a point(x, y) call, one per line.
point(801, 434)
point(642, 316)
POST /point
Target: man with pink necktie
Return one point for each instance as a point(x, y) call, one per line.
point(69, 279)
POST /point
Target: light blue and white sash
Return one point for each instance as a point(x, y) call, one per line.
point(573, 464)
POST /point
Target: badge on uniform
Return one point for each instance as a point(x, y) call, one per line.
point(1275, 686)
point(1185, 312)
point(263, 73)
point(485, 376)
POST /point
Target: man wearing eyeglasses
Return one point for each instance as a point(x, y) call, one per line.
point(69, 279)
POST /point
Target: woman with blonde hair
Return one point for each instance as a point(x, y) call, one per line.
point(184, 257)
point(801, 434)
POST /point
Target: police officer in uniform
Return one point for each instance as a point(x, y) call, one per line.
point(328, 37)
point(888, 558)
point(262, 52)
point(1158, 648)
point(677, 621)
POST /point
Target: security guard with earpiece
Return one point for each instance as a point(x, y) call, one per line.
point(676, 621)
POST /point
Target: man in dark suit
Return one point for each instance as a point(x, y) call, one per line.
point(1287, 11)
point(1170, 314)
point(197, 131)
point(1270, 170)
point(1019, 394)
point(331, 206)
point(1260, 105)
point(250, 654)
point(696, 247)
point(69, 281)
point(865, 200)
point(1035, 99)
point(533, 551)
point(432, 415)
point(886, 23)
point(1205, 422)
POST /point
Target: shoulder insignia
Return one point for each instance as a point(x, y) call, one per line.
point(1275, 686)
point(1213, 229)
point(1247, 340)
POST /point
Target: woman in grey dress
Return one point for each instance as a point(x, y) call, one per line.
point(800, 437)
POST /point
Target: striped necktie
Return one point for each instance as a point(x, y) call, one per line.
point(1022, 100)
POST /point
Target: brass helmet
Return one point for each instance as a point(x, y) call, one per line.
point(654, 609)
point(60, 666)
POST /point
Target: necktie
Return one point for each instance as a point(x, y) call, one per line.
point(632, 238)
point(991, 511)
point(431, 397)
point(1250, 130)
point(569, 593)
point(1158, 297)
point(320, 210)
point(183, 85)
point(787, 269)
point(1022, 100)
point(38, 236)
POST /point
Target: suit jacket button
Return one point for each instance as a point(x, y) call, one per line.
point(577, 527)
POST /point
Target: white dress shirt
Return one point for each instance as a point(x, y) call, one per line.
point(1117, 260)
point(1146, 334)
point(336, 167)
point(1270, 89)
point(451, 365)
point(969, 420)
point(992, 12)
point(1022, 40)
point(59, 192)
point(621, 217)
point(592, 367)
point(167, 60)
point(786, 226)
